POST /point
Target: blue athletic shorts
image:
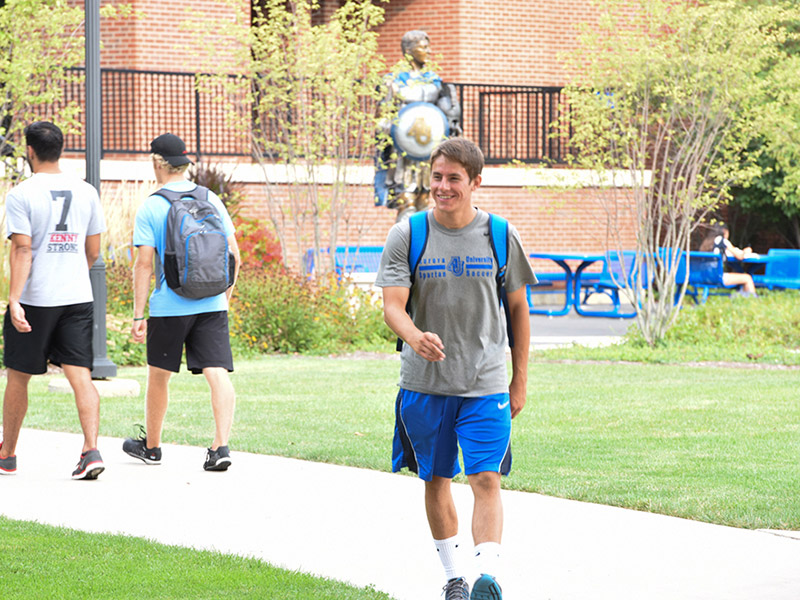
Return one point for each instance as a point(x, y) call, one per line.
point(429, 429)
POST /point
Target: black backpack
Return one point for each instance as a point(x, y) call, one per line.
point(197, 260)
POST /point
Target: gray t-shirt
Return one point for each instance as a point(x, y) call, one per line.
point(455, 296)
point(57, 211)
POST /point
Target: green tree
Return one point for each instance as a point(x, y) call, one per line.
point(313, 90)
point(769, 202)
point(668, 95)
point(773, 197)
point(40, 40)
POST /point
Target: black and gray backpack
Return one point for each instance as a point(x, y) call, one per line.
point(197, 260)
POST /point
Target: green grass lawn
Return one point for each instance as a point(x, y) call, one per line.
point(713, 444)
point(763, 330)
point(51, 562)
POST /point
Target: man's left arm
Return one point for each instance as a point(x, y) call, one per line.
point(521, 328)
point(234, 247)
point(92, 248)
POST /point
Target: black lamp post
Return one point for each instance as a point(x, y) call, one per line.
point(103, 367)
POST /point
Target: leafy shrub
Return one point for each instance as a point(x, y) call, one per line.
point(119, 288)
point(351, 316)
point(273, 310)
point(278, 311)
point(771, 319)
point(257, 243)
point(222, 184)
point(120, 347)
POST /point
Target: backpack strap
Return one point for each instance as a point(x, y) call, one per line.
point(198, 193)
point(417, 242)
point(498, 233)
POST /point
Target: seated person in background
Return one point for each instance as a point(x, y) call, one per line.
point(717, 242)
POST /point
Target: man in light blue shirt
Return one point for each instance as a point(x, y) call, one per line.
point(201, 325)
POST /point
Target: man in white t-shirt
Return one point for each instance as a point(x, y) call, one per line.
point(54, 221)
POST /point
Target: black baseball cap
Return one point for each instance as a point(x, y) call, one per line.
point(172, 148)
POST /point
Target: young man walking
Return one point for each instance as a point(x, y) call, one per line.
point(454, 389)
point(54, 221)
point(199, 324)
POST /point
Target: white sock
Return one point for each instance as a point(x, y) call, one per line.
point(447, 550)
point(487, 558)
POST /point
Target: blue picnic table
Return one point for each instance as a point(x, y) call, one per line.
point(621, 270)
point(781, 271)
point(572, 298)
point(349, 259)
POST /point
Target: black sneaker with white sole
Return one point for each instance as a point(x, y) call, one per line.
point(137, 448)
point(89, 466)
point(217, 460)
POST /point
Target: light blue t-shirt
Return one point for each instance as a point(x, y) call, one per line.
point(150, 229)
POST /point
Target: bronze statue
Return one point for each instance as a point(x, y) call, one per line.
point(427, 112)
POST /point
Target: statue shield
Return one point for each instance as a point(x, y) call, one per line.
point(419, 127)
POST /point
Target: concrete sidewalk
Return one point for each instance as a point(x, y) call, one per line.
point(552, 332)
point(368, 528)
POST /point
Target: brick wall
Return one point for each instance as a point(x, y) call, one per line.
point(569, 220)
point(493, 41)
point(155, 41)
point(547, 220)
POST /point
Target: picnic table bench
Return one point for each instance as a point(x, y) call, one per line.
point(357, 263)
point(782, 270)
point(621, 271)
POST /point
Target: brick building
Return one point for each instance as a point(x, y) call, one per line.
point(498, 42)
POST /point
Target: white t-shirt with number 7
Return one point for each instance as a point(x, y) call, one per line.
point(57, 211)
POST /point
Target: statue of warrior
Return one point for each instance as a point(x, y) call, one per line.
point(427, 112)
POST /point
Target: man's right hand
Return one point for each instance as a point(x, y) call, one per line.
point(139, 331)
point(18, 319)
point(425, 343)
point(429, 346)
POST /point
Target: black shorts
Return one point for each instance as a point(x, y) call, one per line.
point(61, 334)
point(206, 337)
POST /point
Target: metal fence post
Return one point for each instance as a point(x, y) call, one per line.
point(197, 120)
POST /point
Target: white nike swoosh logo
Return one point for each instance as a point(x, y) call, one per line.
point(503, 405)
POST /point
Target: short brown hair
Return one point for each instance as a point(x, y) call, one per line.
point(464, 152)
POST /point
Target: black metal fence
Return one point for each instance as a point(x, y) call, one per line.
point(513, 123)
point(137, 106)
point(509, 123)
